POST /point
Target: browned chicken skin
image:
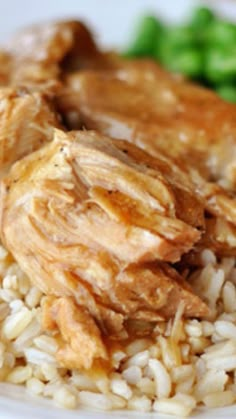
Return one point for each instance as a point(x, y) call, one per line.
point(98, 225)
point(5, 68)
point(47, 51)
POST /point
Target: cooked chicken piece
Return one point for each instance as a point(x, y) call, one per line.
point(51, 42)
point(97, 226)
point(41, 52)
point(81, 339)
point(26, 123)
point(143, 104)
point(5, 68)
point(220, 237)
point(147, 106)
point(189, 208)
point(136, 202)
point(220, 234)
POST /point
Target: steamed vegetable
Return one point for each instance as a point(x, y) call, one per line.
point(203, 49)
point(148, 30)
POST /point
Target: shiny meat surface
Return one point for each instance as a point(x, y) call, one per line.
point(27, 119)
point(78, 330)
point(106, 227)
point(99, 226)
point(143, 104)
point(45, 51)
point(5, 68)
point(159, 112)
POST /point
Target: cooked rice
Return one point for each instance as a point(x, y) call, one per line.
point(191, 363)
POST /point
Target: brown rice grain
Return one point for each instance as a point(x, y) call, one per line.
point(141, 404)
point(95, 400)
point(219, 399)
point(19, 375)
point(15, 324)
point(63, 397)
point(132, 374)
point(180, 405)
point(161, 378)
point(35, 386)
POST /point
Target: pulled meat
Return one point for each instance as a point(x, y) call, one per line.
point(27, 119)
point(78, 330)
point(163, 114)
point(100, 226)
point(141, 103)
point(104, 222)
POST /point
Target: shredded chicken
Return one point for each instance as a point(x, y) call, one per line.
point(158, 112)
point(105, 226)
point(81, 338)
point(27, 119)
point(164, 115)
point(99, 226)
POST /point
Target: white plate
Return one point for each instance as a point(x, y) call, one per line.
point(15, 403)
point(112, 22)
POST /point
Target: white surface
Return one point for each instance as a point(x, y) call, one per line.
point(20, 405)
point(111, 21)
point(15, 403)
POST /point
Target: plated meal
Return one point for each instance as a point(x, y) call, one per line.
point(118, 229)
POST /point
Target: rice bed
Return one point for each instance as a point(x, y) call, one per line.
point(190, 363)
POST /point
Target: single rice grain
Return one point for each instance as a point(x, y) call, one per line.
point(180, 405)
point(15, 324)
point(95, 400)
point(141, 404)
point(35, 386)
point(161, 378)
point(20, 375)
point(219, 399)
point(65, 398)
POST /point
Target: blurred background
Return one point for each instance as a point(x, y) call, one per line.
point(111, 20)
point(191, 37)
